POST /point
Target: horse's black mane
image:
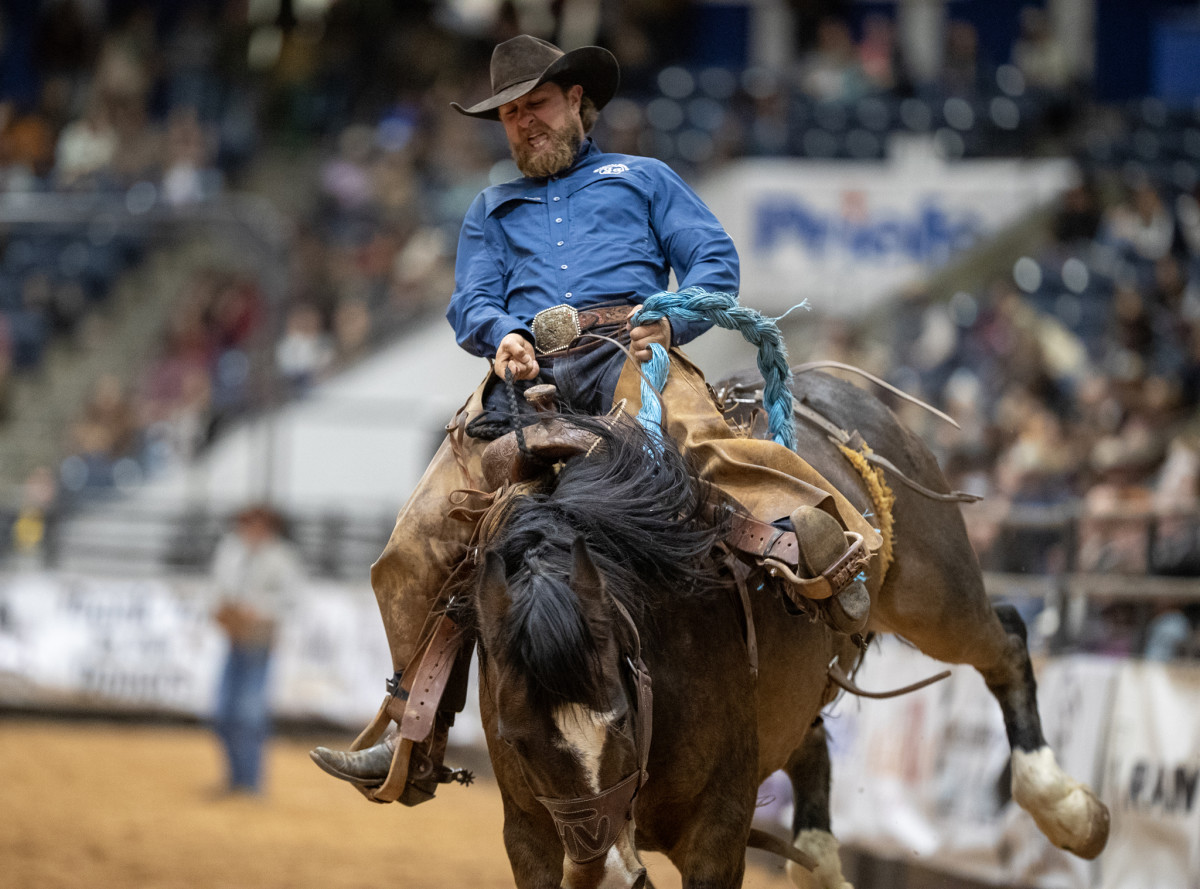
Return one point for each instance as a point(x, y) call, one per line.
point(639, 510)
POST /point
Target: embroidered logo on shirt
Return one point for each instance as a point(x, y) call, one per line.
point(611, 169)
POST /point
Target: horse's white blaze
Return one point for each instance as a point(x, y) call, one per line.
point(583, 733)
point(822, 847)
point(622, 868)
point(1066, 811)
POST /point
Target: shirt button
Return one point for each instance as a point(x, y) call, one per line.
point(563, 266)
point(559, 219)
point(560, 243)
point(558, 199)
point(568, 294)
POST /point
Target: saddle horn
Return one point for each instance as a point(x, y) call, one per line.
point(546, 442)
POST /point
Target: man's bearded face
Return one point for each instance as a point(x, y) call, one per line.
point(544, 131)
point(541, 157)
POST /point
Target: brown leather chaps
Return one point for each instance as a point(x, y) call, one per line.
point(426, 544)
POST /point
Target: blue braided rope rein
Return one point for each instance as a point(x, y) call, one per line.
point(654, 373)
point(723, 310)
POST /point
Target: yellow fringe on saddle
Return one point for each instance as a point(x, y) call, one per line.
point(882, 499)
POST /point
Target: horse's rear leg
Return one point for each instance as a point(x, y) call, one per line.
point(809, 770)
point(967, 630)
point(1067, 812)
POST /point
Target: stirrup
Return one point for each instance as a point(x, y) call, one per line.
point(416, 766)
point(416, 770)
point(832, 580)
point(426, 771)
point(831, 561)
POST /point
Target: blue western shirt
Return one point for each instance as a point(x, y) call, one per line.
point(610, 228)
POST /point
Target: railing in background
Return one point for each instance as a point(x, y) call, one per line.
point(153, 540)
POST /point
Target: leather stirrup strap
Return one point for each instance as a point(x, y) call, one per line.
point(739, 571)
point(414, 707)
point(415, 717)
point(429, 680)
point(762, 539)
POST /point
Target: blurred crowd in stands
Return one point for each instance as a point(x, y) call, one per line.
point(1076, 380)
point(1076, 377)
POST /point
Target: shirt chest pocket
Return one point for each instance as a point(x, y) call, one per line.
point(522, 238)
point(523, 229)
point(608, 213)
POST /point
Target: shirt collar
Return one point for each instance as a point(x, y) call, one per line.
point(587, 148)
point(530, 189)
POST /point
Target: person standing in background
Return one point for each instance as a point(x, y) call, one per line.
point(256, 571)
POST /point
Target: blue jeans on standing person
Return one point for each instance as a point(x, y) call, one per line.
point(243, 719)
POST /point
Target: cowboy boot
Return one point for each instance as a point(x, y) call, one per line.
point(821, 542)
point(366, 768)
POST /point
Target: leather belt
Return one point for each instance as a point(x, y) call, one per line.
point(556, 328)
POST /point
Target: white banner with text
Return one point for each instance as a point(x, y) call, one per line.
point(69, 641)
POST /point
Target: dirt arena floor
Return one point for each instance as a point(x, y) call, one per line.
point(94, 805)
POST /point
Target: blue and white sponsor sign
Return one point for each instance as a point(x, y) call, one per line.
point(849, 236)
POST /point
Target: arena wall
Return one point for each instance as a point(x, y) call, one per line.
point(920, 778)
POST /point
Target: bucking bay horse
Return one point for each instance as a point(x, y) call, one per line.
point(618, 688)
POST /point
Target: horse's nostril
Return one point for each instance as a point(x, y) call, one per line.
point(640, 880)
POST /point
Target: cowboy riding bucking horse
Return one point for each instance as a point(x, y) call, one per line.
point(551, 271)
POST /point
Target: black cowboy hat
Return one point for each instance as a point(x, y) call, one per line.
point(524, 63)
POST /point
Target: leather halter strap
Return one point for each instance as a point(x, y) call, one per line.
point(588, 826)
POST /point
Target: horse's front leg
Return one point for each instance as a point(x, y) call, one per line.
point(534, 851)
point(710, 850)
point(714, 856)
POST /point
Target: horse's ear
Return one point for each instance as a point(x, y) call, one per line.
point(585, 578)
point(493, 598)
point(588, 585)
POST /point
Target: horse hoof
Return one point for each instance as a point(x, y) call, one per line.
point(822, 847)
point(1079, 824)
point(1067, 812)
point(1097, 838)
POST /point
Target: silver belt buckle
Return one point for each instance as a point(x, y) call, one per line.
point(555, 328)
